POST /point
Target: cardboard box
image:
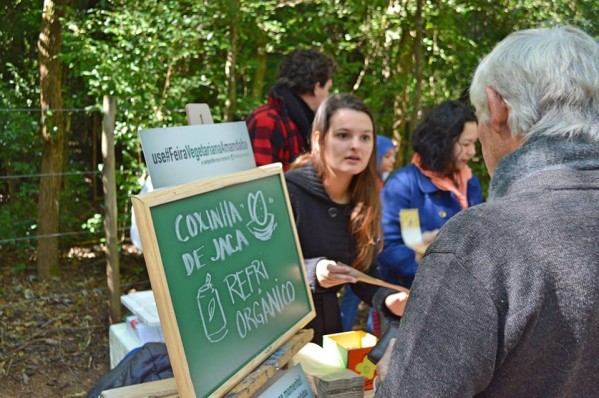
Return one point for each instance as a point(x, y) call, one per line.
point(352, 348)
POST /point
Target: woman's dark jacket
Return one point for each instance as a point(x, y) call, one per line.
point(323, 230)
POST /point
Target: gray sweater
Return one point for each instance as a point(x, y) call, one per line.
point(506, 300)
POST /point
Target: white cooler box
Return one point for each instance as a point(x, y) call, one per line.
point(140, 328)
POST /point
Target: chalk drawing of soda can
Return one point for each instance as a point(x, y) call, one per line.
point(212, 313)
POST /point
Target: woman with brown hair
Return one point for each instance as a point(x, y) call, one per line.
point(335, 199)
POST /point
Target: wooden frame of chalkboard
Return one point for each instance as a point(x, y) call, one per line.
point(228, 275)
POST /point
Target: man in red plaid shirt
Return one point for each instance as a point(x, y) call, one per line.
point(280, 129)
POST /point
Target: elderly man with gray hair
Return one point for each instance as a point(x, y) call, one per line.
point(506, 300)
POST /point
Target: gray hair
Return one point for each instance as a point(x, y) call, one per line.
point(548, 77)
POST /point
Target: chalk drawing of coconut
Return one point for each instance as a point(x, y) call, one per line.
point(262, 224)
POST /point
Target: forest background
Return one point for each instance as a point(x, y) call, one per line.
point(59, 59)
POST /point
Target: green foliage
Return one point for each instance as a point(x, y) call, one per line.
point(93, 224)
point(20, 152)
point(18, 267)
point(157, 56)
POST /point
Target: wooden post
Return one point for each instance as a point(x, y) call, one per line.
point(198, 114)
point(113, 274)
point(95, 153)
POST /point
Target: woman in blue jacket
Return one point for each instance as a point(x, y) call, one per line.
point(438, 182)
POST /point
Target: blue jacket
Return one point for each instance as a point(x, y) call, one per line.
point(408, 188)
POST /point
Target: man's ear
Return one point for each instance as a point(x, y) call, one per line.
point(317, 86)
point(498, 110)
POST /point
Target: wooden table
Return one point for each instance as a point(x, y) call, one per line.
point(167, 388)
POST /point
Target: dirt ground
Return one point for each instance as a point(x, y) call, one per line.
point(54, 335)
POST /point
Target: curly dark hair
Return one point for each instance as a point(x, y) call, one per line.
point(435, 137)
point(301, 69)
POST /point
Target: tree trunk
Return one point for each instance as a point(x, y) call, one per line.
point(258, 85)
point(417, 49)
point(401, 126)
point(53, 136)
point(230, 66)
point(113, 270)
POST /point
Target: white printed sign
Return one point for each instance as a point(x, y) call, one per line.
point(177, 155)
point(293, 384)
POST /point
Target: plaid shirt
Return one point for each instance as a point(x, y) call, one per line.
point(274, 135)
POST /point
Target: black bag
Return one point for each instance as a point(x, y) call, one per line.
point(147, 363)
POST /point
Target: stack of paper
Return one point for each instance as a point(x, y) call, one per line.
point(339, 383)
point(329, 377)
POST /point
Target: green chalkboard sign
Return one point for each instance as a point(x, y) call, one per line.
point(227, 272)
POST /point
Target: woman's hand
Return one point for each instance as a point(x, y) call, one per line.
point(329, 273)
point(382, 366)
point(427, 238)
point(397, 302)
